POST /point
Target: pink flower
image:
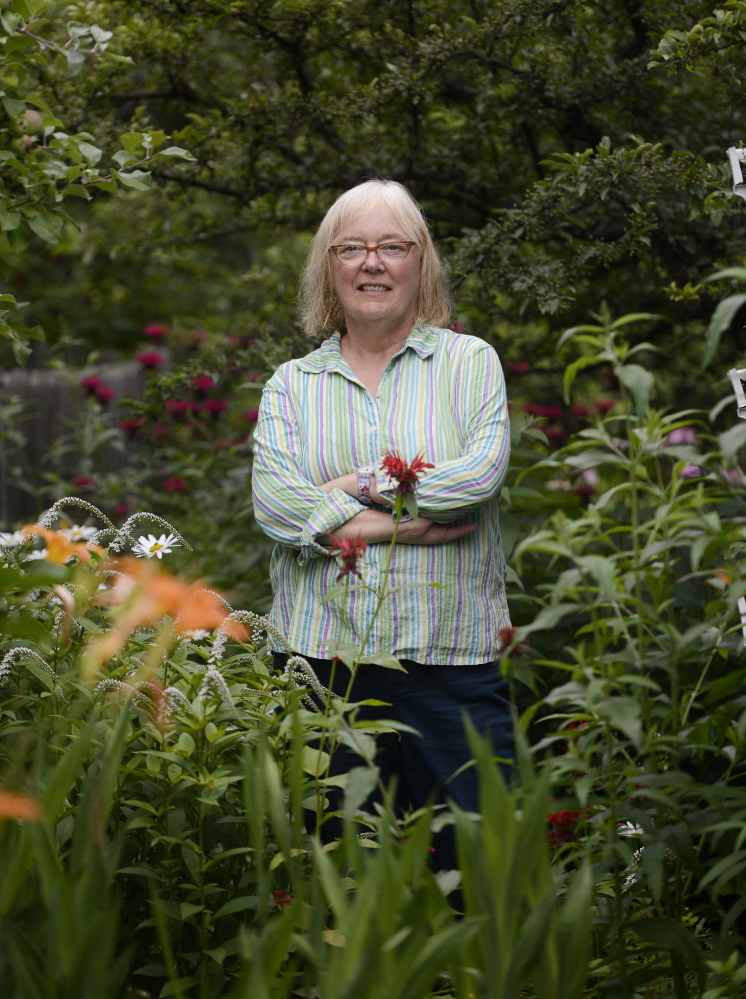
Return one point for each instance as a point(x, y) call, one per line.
point(173, 485)
point(519, 367)
point(178, 408)
point(203, 384)
point(280, 898)
point(122, 509)
point(683, 435)
point(536, 409)
point(156, 332)
point(349, 552)
point(104, 394)
point(604, 405)
point(563, 827)
point(252, 415)
point(690, 472)
point(215, 407)
point(90, 384)
point(457, 327)
point(82, 481)
point(580, 411)
point(733, 476)
point(406, 476)
point(150, 359)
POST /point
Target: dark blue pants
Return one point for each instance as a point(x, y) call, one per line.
point(433, 701)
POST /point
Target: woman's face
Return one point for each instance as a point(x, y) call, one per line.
point(374, 290)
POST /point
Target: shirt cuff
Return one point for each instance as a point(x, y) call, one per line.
point(385, 487)
point(335, 509)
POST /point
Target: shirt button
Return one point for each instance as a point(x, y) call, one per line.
point(372, 429)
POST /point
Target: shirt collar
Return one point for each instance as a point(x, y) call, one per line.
point(328, 357)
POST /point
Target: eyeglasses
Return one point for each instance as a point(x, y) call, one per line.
point(390, 253)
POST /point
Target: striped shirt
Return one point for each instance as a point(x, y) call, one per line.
point(442, 396)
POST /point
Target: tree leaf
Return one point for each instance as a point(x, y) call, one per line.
point(639, 382)
point(721, 320)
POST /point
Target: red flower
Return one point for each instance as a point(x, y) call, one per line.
point(82, 481)
point(252, 415)
point(104, 394)
point(203, 384)
point(122, 510)
point(280, 898)
point(174, 485)
point(406, 476)
point(178, 408)
point(604, 405)
point(150, 359)
point(215, 407)
point(90, 384)
point(506, 637)
point(156, 332)
point(580, 411)
point(457, 327)
point(555, 435)
point(349, 552)
point(563, 827)
point(519, 367)
point(537, 409)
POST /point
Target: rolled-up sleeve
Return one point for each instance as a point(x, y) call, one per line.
point(288, 507)
point(456, 487)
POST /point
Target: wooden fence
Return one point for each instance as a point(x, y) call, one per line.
point(39, 409)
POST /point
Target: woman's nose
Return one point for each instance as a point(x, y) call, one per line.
point(373, 261)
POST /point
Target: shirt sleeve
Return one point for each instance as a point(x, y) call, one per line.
point(287, 506)
point(456, 487)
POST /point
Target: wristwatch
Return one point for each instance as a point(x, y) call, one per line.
point(363, 484)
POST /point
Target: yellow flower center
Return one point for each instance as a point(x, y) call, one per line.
point(155, 547)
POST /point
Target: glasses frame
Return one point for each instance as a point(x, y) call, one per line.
point(409, 243)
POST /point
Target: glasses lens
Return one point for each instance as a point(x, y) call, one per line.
point(351, 254)
point(393, 251)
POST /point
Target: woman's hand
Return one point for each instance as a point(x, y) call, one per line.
point(376, 527)
point(424, 531)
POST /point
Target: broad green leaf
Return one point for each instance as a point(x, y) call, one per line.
point(722, 318)
point(175, 151)
point(638, 381)
point(92, 153)
point(13, 106)
point(75, 61)
point(137, 179)
point(572, 370)
point(43, 229)
point(732, 441)
point(237, 905)
point(131, 141)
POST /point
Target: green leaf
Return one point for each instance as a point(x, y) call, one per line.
point(672, 935)
point(13, 106)
point(572, 370)
point(137, 179)
point(91, 153)
point(623, 713)
point(721, 320)
point(237, 905)
point(732, 441)
point(75, 61)
point(638, 381)
point(384, 659)
point(360, 782)
point(175, 151)
point(131, 141)
point(41, 226)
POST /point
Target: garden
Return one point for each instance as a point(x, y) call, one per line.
point(163, 786)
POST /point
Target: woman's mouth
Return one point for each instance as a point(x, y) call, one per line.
point(373, 287)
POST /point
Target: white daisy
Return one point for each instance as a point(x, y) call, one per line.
point(12, 540)
point(150, 546)
point(77, 533)
point(40, 553)
point(197, 634)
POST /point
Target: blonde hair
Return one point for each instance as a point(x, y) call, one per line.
point(320, 309)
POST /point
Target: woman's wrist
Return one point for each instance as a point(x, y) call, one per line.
point(372, 526)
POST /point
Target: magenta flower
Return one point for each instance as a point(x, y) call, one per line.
point(202, 385)
point(82, 481)
point(178, 408)
point(104, 394)
point(175, 484)
point(89, 385)
point(580, 411)
point(215, 407)
point(156, 332)
point(150, 359)
point(349, 552)
point(604, 405)
point(405, 476)
point(537, 409)
point(519, 367)
point(122, 509)
point(252, 415)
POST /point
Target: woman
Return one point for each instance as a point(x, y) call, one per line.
point(388, 379)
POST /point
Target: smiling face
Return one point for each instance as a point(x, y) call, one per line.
point(374, 290)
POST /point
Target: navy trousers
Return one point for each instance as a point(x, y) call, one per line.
point(432, 700)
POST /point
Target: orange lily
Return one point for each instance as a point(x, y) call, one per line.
point(17, 806)
point(59, 548)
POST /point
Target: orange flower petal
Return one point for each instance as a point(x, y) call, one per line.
point(17, 806)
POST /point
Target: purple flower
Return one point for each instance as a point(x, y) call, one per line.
point(683, 435)
point(690, 472)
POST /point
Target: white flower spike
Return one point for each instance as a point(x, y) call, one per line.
point(150, 546)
